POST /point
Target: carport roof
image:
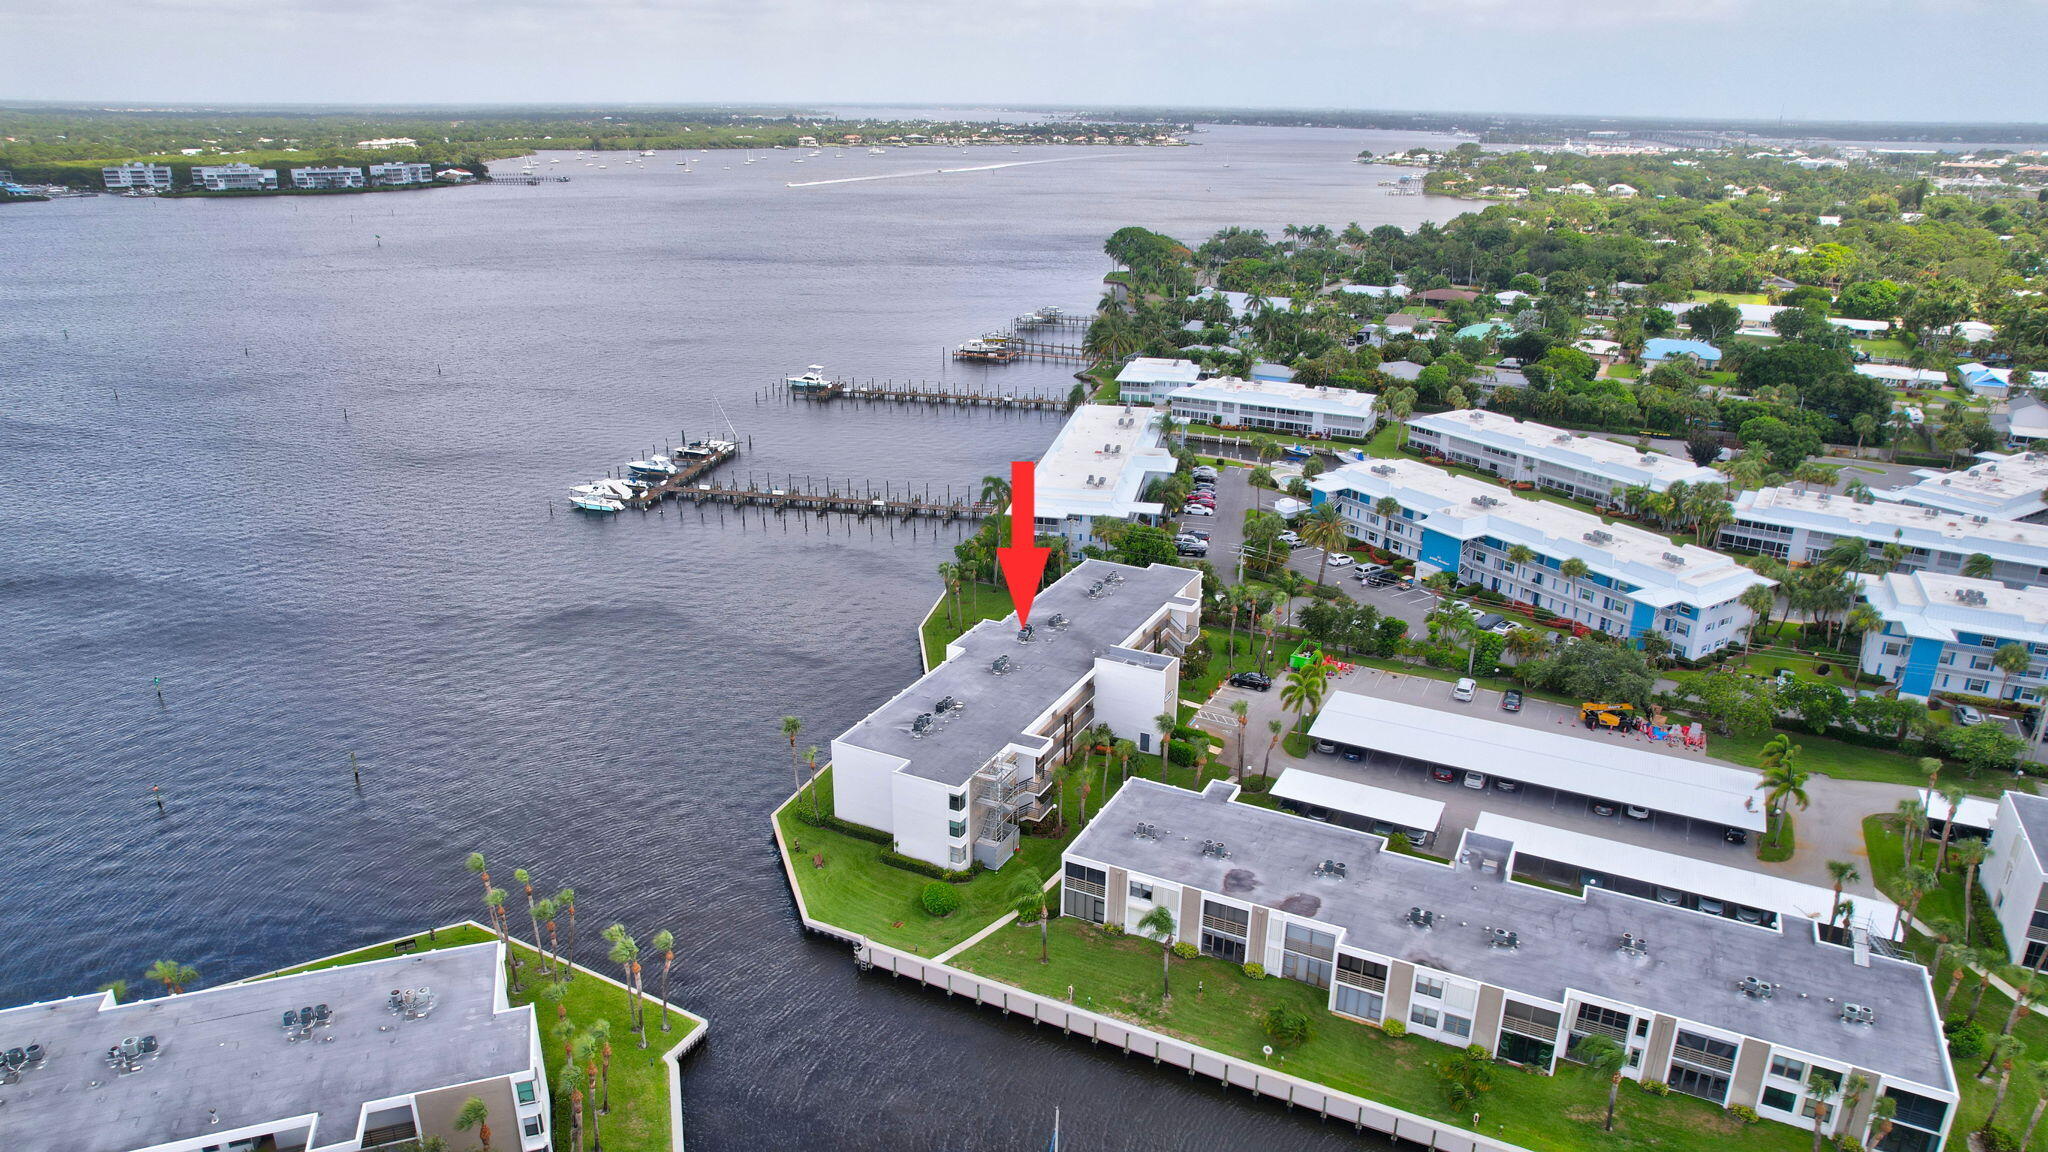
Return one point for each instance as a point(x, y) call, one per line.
point(1597, 766)
point(1398, 808)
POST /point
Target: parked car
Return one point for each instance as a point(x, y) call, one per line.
point(1711, 906)
point(1383, 579)
point(1256, 681)
point(1490, 622)
point(1201, 534)
point(1735, 835)
point(1967, 715)
point(1603, 808)
point(1503, 784)
point(1338, 559)
point(1669, 895)
point(1637, 812)
point(1326, 745)
point(1197, 510)
point(1195, 549)
point(1511, 700)
point(1202, 498)
point(1350, 752)
point(1204, 473)
point(1476, 781)
point(1443, 775)
point(1462, 691)
point(1289, 538)
point(1502, 627)
point(1367, 571)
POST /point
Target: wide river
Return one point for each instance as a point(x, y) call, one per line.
point(304, 460)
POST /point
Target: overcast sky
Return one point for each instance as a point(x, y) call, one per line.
point(1799, 59)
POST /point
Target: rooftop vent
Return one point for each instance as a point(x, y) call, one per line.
point(922, 726)
point(1026, 634)
point(1485, 501)
point(1382, 469)
point(1634, 945)
point(1059, 622)
point(1930, 511)
point(1858, 1014)
point(1674, 559)
point(410, 1003)
point(1503, 938)
point(1974, 597)
point(1561, 438)
point(1113, 579)
point(1980, 519)
point(1647, 459)
point(1215, 848)
point(1333, 868)
point(1756, 988)
point(1001, 667)
point(1146, 831)
point(947, 704)
point(128, 1055)
point(1599, 538)
point(1096, 590)
point(1422, 917)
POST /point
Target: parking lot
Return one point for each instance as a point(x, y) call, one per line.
point(1463, 804)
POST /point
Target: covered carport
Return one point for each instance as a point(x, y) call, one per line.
point(1595, 768)
point(1352, 805)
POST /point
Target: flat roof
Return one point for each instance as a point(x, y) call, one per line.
point(1159, 370)
point(1466, 508)
point(1280, 394)
point(1622, 463)
point(1566, 942)
point(1607, 767)
point(1902, 373)
point(2005, 487)
point(1914, 526)
point(2032, 811)
point(1400, 808)
point(1686, 873)
point(1099, 462)
point(1974, 812)
point(1934, 606)
point(997, 708)
point(223, 1049)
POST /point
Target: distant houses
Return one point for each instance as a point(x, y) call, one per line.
point(235, 177)
point(1664, 348)
point(328, 177)
point(137, 176)
point(239, 176)
point(396, 174)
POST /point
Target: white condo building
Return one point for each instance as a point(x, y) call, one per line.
point(1940, 633)
point(1458, 952)
point(1584, 467)
point(1636, 581)
point(1099, 467)
point(2011, 487)
point(236, 177)
point(331, 1060)
point(137, 175)
point(1149, 378)
point(1276, 406)
point(332, 177)
point(1800, 526)
point(2015, 872)
point(957, 764)
point(398, 173)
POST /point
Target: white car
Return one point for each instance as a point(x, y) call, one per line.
point(1290, 539)
point(1967, 715)
point(1197, 510)
point(1339, 559)
point(1462, 691)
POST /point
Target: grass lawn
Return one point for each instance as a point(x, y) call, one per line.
point(1216, 1005)
point(1778, 845)
point(1844, 761)
point(1731, 297)
point(1885, 349)
point(1624, 371)
point(640, 1082)
point(1887, 856)
point(978, 602)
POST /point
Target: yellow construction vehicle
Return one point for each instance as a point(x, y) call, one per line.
point(1610, 716)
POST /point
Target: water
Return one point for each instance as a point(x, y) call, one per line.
point(594, 700)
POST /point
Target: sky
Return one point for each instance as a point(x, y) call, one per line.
point(1922, 60)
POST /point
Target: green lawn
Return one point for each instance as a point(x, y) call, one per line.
point(978, 602)
point(1843, 761)
point(640, 1082)
point(1731, 297)
point(1216, 1005)
point(1887, 856)
point(1624, 371)
point(1884, 349)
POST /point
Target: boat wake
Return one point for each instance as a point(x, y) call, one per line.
point(934, 172)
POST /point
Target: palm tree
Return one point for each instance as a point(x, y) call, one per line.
point(995, 492)
point(811, 762)
point(1303, 690)
point(790, 727)
point(1605, 1058)
point(1323, 528)
point(1821, 1087)
point(1865, 427)
point(118, 989)
point(626, 954)
point(1965, 959)
point(598, 1044)
point(1031, 885)
point(1844, 873)
point(1978, 566)
point(476, 864)
point(1912, 819)
point(1242, 709)
point(1783, 780)
point(550, 953)
point(2004, 1051)
point(1573, 569)
point(1158, 924)
point(566, 901)
point(1123, 750)
point(664, 942)
point(475, 1114)
point(2011, 659)
point(1967, 854)
point(532, 913)
point(1954, 797)
point(1276, 728)
point(949, 579)
point(1917, 882)
point(2023, 1002)
point(1761, 600)
point(173, 975)
point(1165, 723)
point(1882, 1114)
point(2040, 1071)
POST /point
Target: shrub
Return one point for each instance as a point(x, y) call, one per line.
point(1186, 951)
point(826, 820)
point(1393, 1027)
point(1997, 1140)
point(1656, 1088)
point(1849, 1144)
point(1744, 1113)
point(1255, 970)
point(1966, 1039)
point(1113, 929)
point(897, 859)
point(1285, 1027)
point(1183, 754)
point(939, 898)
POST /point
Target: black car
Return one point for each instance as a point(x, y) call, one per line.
point(1735, 835)
point(1348, 752)
point(1603, 808)
point(1256, 681)
point(1511, 700)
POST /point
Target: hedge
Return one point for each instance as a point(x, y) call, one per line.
point(924, 868)
point(847, 827)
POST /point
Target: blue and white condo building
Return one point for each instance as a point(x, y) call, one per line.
point(1800, 527)
point(1940, 633)
point(1574, 463)
point(1636, 582)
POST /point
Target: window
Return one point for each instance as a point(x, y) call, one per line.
point(1780, 1099)
point(956, 828)
point(1082, 905)
point(1643, 1026)
point(524, 1089)
point(531, 1125)
point(957, 854)
point(1308, 942)
point(1140, 891)
point(1295, 966)
point(1693, 1082)
point(1789, 1069)
point(1593, 1018)
point(1978, 687)
point(956, 801)
point(1223, 947)
point(1429, 986)
point(1457, 1025)
point(1424, 1017)
point(1360, 1003)
point(1083, 876)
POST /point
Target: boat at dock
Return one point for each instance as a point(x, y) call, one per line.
point(984, 352)
point(596, 504)
point(813, 380)
point(605, 489)
point(654, 468)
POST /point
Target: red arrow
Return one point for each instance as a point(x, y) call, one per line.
point(1023, 562)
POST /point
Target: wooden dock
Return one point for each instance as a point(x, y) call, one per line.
point(1022, 349)
point(926, 392)
point(683, 477)
point(850, 499)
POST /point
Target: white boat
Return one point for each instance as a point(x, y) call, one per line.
point(876, 152)
point(814, 380)
point(703, 448)
point(652, 468)
point(596, 504)
point(649, 152)
point(606, 489)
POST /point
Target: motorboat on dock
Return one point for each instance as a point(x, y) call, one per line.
point(707, 449)
point(654, 468)
point(813, 380)
point(596, 504)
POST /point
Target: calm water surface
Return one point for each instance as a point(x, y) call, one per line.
point(304, 460)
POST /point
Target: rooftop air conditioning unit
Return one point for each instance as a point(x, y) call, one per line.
point(1675, 559)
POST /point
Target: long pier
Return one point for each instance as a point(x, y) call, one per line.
point(679, 481)
point(926, 392)
point(861, 500)
point(1044, 350)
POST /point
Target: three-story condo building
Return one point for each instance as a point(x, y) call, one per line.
point(1099, 467)
point(1573, 463)
point(1149, 378)
point(136, 174)
point(327, 177)
point(2013, 487)
point(1276, 406)
point(401, 172)
point(2015, 872)
point(1942, 634)
point(1634, 581)
point(1731, 1012)
point(1801, 526)
point(958, 761)
point(235, 177)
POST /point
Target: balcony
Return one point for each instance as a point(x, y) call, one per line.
point(1586, 1027)
point(1227, 927)
point(1361, 980)
point(1531, 1029)
point(1085, 886)
point(1702, 1059)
